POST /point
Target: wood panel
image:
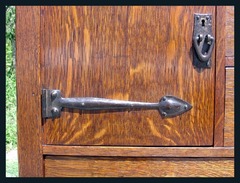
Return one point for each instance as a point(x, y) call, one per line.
point(220, 76)
point(126, 53)
point(28, 91)
point(229, 108)
point(139, 151)
point(229, 31)
point(138, 167)
point(229, 61)
point(229, 36)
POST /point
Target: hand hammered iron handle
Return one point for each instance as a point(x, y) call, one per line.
point(52, 104)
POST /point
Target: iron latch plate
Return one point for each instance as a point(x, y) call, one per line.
point(203, 40)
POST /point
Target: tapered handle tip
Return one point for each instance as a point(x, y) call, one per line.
point(171, 106)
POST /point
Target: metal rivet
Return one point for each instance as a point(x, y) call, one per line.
point(198, 17)
point(164, 114)
point(185, 106)
point(55, 110)
point(54, 94)
point(164, 99)
point(207, 17)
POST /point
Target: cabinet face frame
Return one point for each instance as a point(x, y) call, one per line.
point(30, 147)
point(29, 122)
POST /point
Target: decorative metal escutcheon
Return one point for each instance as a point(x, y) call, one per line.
point(53, 102)
point(203, 40)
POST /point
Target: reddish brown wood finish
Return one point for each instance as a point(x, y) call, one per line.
point(229, 36)
point(74, 47)
point(138, 167)
point(229, 95)
point(229, 61)
point(229, 31)
point(139, 151)
point(220, 76)
point(128, 53)
point(28, 91)
point(229, 108)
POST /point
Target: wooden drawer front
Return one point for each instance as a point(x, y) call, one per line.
point(136, 53)
point(229, 108)
point(62, 166)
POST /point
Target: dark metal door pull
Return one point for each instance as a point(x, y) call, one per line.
point(52, 104)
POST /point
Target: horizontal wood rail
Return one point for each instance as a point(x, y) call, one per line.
point(227, 152)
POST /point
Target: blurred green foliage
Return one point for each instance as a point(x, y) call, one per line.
point(12, 168)
point(11, 106)
point(10, 22)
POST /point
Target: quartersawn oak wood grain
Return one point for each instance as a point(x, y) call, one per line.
point(220, 76)
point(229, 36)
point(229, 108)
point(229, 61)
point(138, 151)
point(29, 117)
point(57, 166)
point(28, 91)
point(128, 53)
point(230, 32)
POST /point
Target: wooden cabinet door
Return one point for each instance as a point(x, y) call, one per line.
point(136, 53)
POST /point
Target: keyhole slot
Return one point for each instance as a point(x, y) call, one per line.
point(203, 22)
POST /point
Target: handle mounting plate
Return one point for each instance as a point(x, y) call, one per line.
point(203, 40)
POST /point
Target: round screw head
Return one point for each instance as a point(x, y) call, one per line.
point(164, 114)
point(207, 17)
point(55, 111)
point(164, 98)
point(54, 94)
point(185, 106)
